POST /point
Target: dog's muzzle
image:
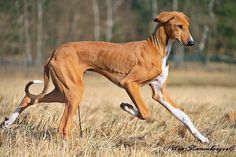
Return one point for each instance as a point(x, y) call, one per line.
point(190, 41)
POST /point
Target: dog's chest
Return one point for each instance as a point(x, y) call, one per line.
point(160, 79)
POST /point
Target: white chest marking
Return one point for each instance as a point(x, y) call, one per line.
point(160, 80)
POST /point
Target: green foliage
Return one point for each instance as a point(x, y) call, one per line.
point(226, 13)
point(132, 21)
point(143, 12)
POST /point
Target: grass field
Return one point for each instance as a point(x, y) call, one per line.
point(207, 96)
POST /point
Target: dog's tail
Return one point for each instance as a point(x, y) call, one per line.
point(46, 85)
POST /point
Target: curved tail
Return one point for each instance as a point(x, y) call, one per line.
point(46, 85)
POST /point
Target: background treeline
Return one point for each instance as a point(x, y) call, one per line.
point(31, 29)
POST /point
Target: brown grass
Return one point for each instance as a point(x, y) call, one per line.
point(208, 97)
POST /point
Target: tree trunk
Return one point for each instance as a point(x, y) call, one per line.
point(212, 31)
point(28, 56)
point(20, 22)
point(96, 16)
point(38, 60)
point(117, 4)
point(109, 20)
point(74, 24)
point(154, 12)
point(175, 5)
point(178, 54)
point(203, 40)
point(210, 8)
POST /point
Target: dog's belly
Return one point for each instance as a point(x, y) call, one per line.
point(112, 76)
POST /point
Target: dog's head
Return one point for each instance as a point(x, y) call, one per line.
point(176, 26)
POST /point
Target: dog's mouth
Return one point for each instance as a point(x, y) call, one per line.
point(181, 42)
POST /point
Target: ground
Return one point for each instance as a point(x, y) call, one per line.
point(207, 95)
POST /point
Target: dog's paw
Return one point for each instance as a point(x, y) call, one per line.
point(202, 139)
point(129, 108)
point(4, 124)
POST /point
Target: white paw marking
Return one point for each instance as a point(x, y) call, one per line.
point(8, 122)
point(202, 138)
point(129, 108)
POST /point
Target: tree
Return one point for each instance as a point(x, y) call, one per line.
point(72, 35)
point(203, 40)
point(154, 12)
point(109, 22)
point(28, 56)
point(96, 17)
point(212, 26)
point(39, 32)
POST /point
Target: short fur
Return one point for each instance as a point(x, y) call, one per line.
point(128, 65)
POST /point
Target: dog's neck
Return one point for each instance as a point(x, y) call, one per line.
point(160, 40)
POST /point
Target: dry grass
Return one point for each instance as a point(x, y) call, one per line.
point(207, 97)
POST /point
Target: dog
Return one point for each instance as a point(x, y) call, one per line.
point(128, 65)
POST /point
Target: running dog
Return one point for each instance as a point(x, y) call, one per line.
point(128, 65)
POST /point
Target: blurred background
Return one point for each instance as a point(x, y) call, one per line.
point(30, 30)
point(202, 79)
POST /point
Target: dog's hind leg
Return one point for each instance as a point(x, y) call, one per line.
point(26, 102)
point(68, 77)
point(73, 102)
point(54, 96)
point(63, 120)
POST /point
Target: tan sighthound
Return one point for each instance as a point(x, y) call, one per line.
point(128, 65)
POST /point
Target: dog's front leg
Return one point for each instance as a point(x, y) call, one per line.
point(163, 98)
point(141, 111)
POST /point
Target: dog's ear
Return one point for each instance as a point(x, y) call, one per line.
point(163, 17)
point(185, 16)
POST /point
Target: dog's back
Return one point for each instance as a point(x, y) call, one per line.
point(102, 57)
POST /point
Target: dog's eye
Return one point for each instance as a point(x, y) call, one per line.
point(180, 26)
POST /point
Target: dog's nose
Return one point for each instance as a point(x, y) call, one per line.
point(190, 43)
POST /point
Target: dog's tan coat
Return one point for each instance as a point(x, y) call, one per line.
point(128, 65)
